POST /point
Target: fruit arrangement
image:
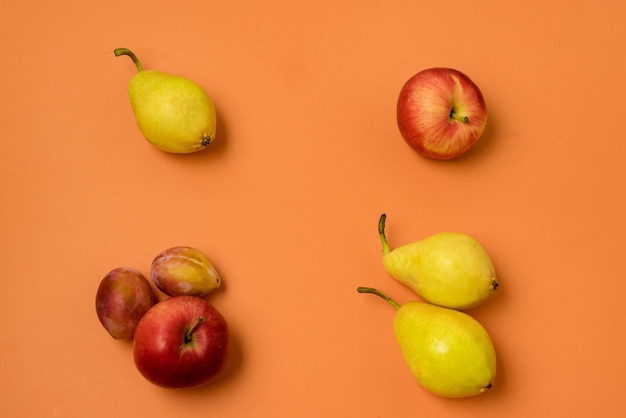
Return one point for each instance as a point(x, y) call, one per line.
point(441, 114)
point(180, 341)
point(448, 352)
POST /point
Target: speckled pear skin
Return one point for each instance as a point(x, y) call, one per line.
point(447, 351)
point(173, 113)
point(448, 269)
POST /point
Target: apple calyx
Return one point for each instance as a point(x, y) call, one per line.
point(188, 338)
point(456, 116)
point(126, 51)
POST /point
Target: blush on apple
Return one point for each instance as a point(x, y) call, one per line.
point(441, 113)
point(123, 297)
point(181, 342)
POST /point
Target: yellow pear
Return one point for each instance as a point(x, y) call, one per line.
point(174, 113)
point(448, 269)
point(447, 351)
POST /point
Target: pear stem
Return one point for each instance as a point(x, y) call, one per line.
point(458, 117)
point(126, 51)
point(379, 293)
point(190, 330)
point(381, 232)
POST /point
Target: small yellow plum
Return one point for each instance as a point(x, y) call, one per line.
point(183, 270)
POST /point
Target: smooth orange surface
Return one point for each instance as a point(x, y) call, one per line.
point(286, 200)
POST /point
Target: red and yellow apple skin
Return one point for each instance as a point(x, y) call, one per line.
point(181, 342)
point(182, 270)
point(441, 113)
point(123, 297)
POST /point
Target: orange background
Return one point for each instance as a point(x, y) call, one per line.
point(287, 198)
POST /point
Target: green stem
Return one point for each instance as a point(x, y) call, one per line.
point(189, 331)
point(378, 293)
point(381, 232)
point(126, 51)
point(456, 116)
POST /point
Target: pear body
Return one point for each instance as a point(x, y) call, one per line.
point(447, 351)
point(174, 113)
point(448, 269)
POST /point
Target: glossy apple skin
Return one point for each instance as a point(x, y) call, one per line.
point(164, 356)
point(184, 270)
point(123, 297)
point(424, 109)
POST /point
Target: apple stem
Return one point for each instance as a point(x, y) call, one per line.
point(378, 293)
point(192, 328)
point(126, 51)
point(381, 232)
point(456, 116)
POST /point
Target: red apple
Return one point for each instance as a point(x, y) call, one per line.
point(441, 113)
point(181, 342)
point(123, 297)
